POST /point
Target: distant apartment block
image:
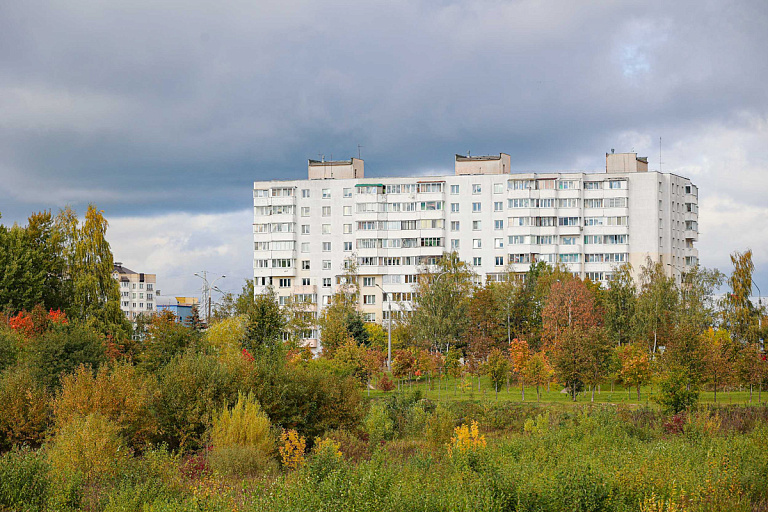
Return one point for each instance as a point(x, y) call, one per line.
point(181, 308)
point(137, 291)
point(495, 219)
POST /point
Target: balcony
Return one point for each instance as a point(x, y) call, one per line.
point(308, 288)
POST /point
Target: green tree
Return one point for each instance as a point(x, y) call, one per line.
point(266, 322)
point(63, 348)
point(538, 371)
point(739, 314)
point(597, 357)
point(619, 303)
point(657, 305)
point(719, 355)
point(497, 367)
point(441, 302)
point(165, 338)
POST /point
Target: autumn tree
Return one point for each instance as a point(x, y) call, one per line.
point(597, 356)
point(483, 327)
point(538, 371)
point(739, 314)
point(635, 369)
point(718, 352)
point(519, 353)
point(570, 305)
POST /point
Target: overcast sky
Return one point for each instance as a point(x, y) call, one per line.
point(164, 113)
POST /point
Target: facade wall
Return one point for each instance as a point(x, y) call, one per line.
point(589, 222)
point(137, 294)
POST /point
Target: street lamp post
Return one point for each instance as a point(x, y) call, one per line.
point(389, 327)
point(207, 292)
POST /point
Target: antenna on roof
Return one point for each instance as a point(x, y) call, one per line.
point(468, 154)
point(358, 152)
point(322, 157)
point(659, 154)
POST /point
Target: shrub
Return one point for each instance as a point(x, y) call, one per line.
point(378, 425)
point(677, 393)
point(537, 426)
point(324, 459)
point(352, 447)
point(116, 392)
point(24, 480)
point(385, 383)
point(466, 438)
point(292, 449)
point(9, 348)
point(90, 446)
point(242, 438)
point(192, 388)
point(63, 348)
point(439, 426)
point(25, 408)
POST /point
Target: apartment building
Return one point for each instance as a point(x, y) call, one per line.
point(137, 291)
point(495, 219)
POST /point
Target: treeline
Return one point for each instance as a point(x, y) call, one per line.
point(554, 327)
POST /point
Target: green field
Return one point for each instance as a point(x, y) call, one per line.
point(450, 389)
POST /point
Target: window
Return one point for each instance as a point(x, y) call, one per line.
point(569, 202)
point(477, 225)
point(326, 211)
point(477, 243)
point(454, 244)
point(543, 203)
point(431, 205)
point(568, 184)
point(369, 317)
point(257, 193)
point(498, 224)
point(569, 221)
point(499, 261)
point(593, 221)
point(347, 229)
point(454, 207)
point(326, 193)
point(498, 188)
point(569, 258)
point(477, 188)
point(305, 211)
point(305, 281)
point(617, 184)
point(477, 261)
point(520, 221)
point(520, 184)
point(431, 242)
point(455, 225)
point(305, 193)
point(326, 282)
point(347, 210)
point(282, 263)
point(516, 240)
point(498, 206)
point(477, 207)
point(326, 300)
point(326, 229)
point(569, 240)
point(454, 189)
point(347, 246)
point(498, 243)
point(347, 192)
point(593, 203)
point(305, 247)
point(326, 246)
point(545, 184)
point(593, 239)
point(326, 264)
point(593, 185)
point(369, 281)
point(430, 187)
point(304, 264)
point(616, 202)
point(392, 189)
point(305, 229)
point(284, 282)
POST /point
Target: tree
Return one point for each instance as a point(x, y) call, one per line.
point(538, 371)
point(739, 313)
point(635, 366)
point(63, 348)
point(750, 366)
point(95, 295)
point(483, 323)
point(619, 302)
point(718, 357)
point(656, 306)
point(165, 338)
point(519, 354)
point(597, 357)
point(266, 322)
point(442, 296)
point(568, 358)
point(22, 277)
point(570, 305)
point(497, 368)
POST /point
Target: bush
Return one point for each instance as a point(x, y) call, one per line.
point(292, 449)
point(24, 480)
point(64, 347)
point(439, 426)
point(378, 425)
point(25, 408)
point(192, 388)
point(116, 392)
point(677, 393)
point(324, 459)
point(242, 439)
point(90, 446)
point(9, 348)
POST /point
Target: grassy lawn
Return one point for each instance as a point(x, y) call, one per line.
point(450, 390)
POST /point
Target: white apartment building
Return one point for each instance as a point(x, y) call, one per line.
point(137, 291)
point(495, 220)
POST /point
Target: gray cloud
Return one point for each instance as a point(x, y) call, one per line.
point(150, 108)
